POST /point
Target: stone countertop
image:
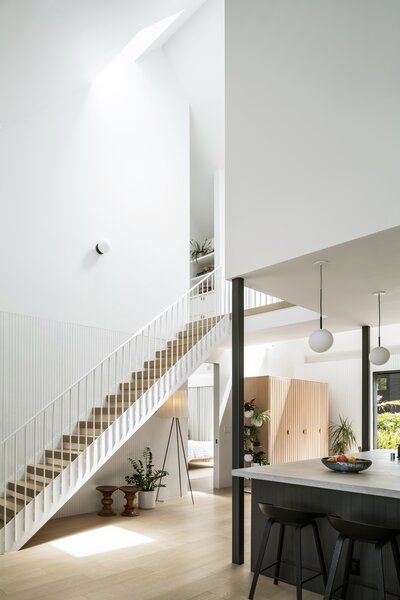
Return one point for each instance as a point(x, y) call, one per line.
point(382, 478)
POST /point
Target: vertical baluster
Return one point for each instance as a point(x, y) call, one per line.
point(34, 469)
point(5, 477)
point(44, 461)
point(25, 473)
point(87, 459)
point(70, 429)
point(130, 382)
point(93, 421)
point(149, 353)
point(78, 418)
point(53, 408)
point(108, 398)
point(15, 479)
point(122, 382)
point(101, 408)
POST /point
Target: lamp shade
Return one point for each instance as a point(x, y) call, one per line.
point(379, 355)
point(176, 406)
point(320, 340)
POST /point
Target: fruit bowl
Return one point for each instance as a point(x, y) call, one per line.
point(356, 466)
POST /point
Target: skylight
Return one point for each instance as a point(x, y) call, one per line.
point(142, 41)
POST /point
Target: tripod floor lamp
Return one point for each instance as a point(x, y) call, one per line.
point(175, 408)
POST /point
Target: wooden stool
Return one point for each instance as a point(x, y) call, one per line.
point(107, 491)
point(129, 491)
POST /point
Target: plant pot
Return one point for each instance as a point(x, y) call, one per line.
point(248, 414)
point(256, 423)
point(147, 500)
point(248, 458)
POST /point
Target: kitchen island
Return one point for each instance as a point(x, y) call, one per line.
point(372, 496)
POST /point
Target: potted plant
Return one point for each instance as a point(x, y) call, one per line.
point(342, 436)
point(200, 248)
point(249, 409)
point(259, 458)
point(260, 417)
point(248, 456)
point(147, 478)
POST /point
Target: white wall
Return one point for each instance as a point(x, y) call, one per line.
point(196, 54)
point(40, 358)
point(111, 161)
point(312, 126)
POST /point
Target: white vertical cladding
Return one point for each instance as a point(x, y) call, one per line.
point(40, 358)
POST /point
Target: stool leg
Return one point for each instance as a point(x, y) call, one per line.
point(347, 568)
point(396, 556)
point(279, 553)
point(320, 553)
point(334, 566)
point(260, 557)
point(380, 574)
point(299, 575)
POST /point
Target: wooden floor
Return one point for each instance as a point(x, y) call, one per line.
point(175, 552)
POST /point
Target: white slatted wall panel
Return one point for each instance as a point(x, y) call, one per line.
point(41, 358)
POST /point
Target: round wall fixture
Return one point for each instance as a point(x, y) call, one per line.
point(103, 247)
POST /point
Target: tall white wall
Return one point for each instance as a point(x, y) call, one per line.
point(40, 358)
point(312, 126)
point(111, 161)
point(196, 54)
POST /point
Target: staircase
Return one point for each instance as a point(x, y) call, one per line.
point(49, 458)
point(45, 462)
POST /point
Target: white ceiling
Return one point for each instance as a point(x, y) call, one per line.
point(355, 270)
point(50, 48)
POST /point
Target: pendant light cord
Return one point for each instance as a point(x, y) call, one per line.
point(379, 319)
point(320, 296)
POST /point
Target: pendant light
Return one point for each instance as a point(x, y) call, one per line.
point(321, 339)
point(379, 355)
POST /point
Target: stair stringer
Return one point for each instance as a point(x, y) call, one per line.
point(45, 504)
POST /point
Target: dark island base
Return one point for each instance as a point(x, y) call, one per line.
point(356, 507)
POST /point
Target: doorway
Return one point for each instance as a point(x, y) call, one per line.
point(386, 388)
point(201, 427)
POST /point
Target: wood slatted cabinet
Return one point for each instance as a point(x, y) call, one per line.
point(298, 429)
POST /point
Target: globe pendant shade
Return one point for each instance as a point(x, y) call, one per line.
point(320, 340)
point(379, 355)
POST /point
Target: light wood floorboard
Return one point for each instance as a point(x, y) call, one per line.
point(187, 557)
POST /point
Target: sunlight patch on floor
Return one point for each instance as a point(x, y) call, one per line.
point(100, 540)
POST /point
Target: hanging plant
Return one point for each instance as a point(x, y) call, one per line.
point(260, 418)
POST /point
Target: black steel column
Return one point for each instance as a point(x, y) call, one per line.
point(366, 389)
point(237, 419)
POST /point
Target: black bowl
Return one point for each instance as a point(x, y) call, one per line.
point(361, 464)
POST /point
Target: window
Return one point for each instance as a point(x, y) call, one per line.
point(387, 409)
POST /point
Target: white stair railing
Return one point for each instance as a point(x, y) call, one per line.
point(139, 376)
point(46, 460)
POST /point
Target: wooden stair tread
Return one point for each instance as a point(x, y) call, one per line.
point(29, 484)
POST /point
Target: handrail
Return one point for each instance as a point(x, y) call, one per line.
point(130, 339)
point(68, 439)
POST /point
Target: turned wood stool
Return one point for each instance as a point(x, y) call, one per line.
point(129, 491)
point(107, 491)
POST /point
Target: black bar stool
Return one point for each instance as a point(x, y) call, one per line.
point(291, 518)
point(369, 534)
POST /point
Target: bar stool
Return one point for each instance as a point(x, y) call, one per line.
point(298, 519)
point(369, 534)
